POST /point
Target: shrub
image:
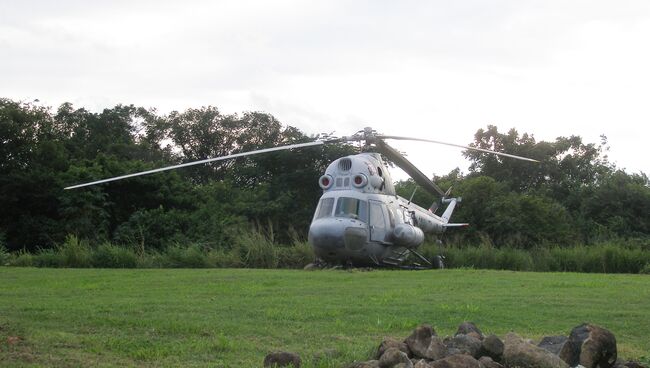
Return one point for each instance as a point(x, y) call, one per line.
point(47, 258)
point(257, 249)
point(152, 259)
point(75, 253)
point(5, 257)
point(188, 257)
point(514, 259)
point(224, 258)
point(23, 259)
point(604, 257)
point(297, 255)
point(108, 255)
point(645, 270)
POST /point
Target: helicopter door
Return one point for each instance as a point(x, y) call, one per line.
point(377, 221)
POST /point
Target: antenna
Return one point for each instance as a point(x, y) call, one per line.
point(414, 190)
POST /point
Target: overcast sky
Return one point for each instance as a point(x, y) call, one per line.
point(431, 69)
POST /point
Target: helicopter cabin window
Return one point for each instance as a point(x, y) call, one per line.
point(325, 208)
point(353, 208)
point(377, 216)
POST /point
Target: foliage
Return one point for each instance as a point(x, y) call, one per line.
point(43, 151)
point(108, 255)
point(609, 257)
point(574, 196)
point(75, 253)
point(4, 255)
point(257, 249)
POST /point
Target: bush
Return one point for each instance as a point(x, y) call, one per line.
point(645, 270)
point(75, 253)
point(298, 255)
point(189, 257)
point(108, 255)
point(5, 257)
point(257, 249)
point(224, 258)
point(23, 259)
point(48, 258)
point(603, 258)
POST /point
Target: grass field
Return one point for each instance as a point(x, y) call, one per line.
point(233, 317)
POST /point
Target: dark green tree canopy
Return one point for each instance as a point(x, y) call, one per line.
point(573, 195)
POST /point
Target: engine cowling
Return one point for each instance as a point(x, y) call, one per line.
point(407, 235)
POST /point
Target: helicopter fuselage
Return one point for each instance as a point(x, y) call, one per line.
point(360, 220)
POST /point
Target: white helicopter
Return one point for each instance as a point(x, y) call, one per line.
point(360, 220)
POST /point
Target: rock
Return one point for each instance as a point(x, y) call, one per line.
point(456, 361)
point(13, 340)
point(404, 365)
point(391, 343)
point(392, 357)
point(465, 344)
point(282, 359)
point(311, 267)
point(424, 343)
point(487, 362)
point(519, 353)
point(590, 346)
point(492, 347)
point(469, 328)
point(553, 343)
point(475, 335)
point(421, 363)
point(635, 365)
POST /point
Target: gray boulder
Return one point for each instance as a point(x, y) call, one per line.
point(392, 343)
point(590, 346)
point(469, 328)
point(520, 353)
point(492, 347)
point(487, 362)
point(392, 357)
point(464, 344)
point(421, 363)
point(424, 343)
point(456, 361)
point(634, 365)
point(553, 344)
point(282, 359)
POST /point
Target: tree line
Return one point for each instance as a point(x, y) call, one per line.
point(574, 196)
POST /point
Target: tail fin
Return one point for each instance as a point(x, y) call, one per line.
point(449, 210)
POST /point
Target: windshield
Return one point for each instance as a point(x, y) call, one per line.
point(353, 208)
point(325, 208)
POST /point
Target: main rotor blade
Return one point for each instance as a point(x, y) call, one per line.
point(236, 155)
point(456, 145)
point(408, 167)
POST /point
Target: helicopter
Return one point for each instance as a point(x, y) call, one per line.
point(359, 219)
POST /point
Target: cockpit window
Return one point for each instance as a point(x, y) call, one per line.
point(325, 208)
point(353, 208)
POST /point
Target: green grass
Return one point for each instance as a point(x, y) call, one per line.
point(233, 317)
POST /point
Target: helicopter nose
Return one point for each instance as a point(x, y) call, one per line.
point(335, 239)
point(327, 234)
